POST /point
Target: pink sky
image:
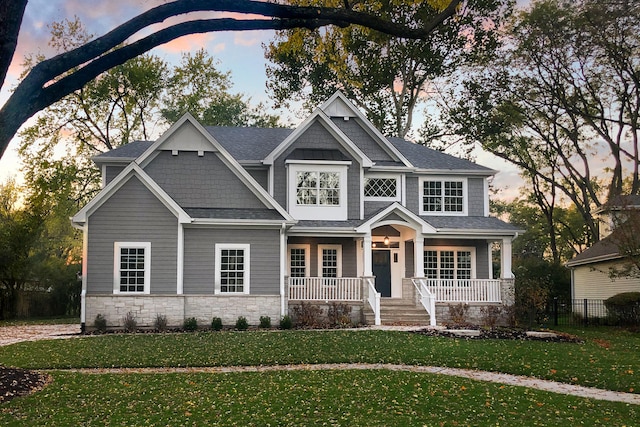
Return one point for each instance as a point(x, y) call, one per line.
point(240, 53)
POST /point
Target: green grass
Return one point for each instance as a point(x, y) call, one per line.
point(41, 321)
point(302, 398)
point(608, 359)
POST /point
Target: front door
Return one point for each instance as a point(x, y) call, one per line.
point(381, 261)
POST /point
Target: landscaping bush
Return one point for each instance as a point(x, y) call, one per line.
point(160, 323)
point(339, 315)
point(531, 299)
point(286, 322)
point(307, 315)
point(216, 324)
point(129, 322)
point(265, 322)
point(100, 323)
point(190, 324)
point(458, 314)
point(242, 324)
point(625, 307)
point(490, 315)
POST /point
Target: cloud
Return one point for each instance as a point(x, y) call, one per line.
point(189, 43)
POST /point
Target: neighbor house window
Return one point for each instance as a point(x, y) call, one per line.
point(330, 260)
point(232, 268)
point(448, 263)
point(317, 188)
point(443, 196)
point(298, 260)
point(381, 188)
point(132, 267)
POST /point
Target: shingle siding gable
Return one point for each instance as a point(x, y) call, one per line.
point(355, 132)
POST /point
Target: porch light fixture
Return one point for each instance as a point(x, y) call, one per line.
point(386, 240)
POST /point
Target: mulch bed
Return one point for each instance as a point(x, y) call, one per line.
point(502, 334)
point(15, 382)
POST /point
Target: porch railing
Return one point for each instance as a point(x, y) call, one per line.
point(427, 299)
point(325, 288)
point(373, 298)
point(464, 290)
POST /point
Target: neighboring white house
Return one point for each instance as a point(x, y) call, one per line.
point(229, 221)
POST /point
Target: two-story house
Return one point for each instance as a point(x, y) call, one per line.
point(228, 222)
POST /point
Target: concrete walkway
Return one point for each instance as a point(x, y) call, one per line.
point(13, 334)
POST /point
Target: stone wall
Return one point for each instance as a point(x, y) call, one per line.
point(176, 308)
point(357, 314)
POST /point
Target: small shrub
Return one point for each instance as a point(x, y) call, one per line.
point(216, 324)
point(510, 315)
point(339, 315)
point(129, 322)
point(286, 322)
point(100, 323)
point(307, 315)
point(265, 322)
point(490, 315)
point(160, 323)
point(458, 314)
point(190, 324)
point(625, 307)
point(242, 324)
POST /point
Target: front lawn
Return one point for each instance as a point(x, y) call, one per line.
point(608, 359)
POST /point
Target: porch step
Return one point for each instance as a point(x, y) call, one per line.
point(398, 312)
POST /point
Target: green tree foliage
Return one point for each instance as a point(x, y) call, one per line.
point(562, 98)
point(386, 76)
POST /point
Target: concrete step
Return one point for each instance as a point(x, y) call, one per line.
point(398, 312)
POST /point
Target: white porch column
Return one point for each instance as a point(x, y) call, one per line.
point(505, 259)
point(366, 248)
point(418, 249)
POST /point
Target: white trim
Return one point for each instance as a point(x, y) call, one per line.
point(180, 271)
point(338, 249)
point(117, 246)
point(455, 250)
point(361, 192)
point(218, 248)
point(319, 162)
point(310, 212)
point(283, 270)
point(403, 187)
point(307, 258)
point(485, 190)
point(398, 179)
point(412, 219)
point(443, 179)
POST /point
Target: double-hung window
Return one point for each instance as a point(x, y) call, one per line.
point(132, 267)
point(449, 263)
point(298, 260)
point(443, 196)
point(317, 188)
point(330, 260)
point(232, 268)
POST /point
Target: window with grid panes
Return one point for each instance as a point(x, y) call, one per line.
point(297, 262)
point(317, 188)
point(447, 264)
point(132, 267)
point(442, 196)
point(232, 268)
point(380, 187)
point(329, 262)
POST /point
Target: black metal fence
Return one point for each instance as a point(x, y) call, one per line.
point(579, 312)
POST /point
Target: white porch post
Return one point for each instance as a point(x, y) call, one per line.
point(366, 248)
point(505, 259)
point(418, 248)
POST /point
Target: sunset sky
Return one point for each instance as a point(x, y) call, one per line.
point(240, 53)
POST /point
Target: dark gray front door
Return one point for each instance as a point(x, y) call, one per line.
point(381, 261)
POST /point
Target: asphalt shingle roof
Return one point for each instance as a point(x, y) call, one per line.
point(233, 213)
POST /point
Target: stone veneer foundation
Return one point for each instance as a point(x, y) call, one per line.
point(176, 308)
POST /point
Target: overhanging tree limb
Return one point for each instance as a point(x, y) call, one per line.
point(46, 83)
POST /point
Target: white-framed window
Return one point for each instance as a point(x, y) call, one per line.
point(298, 260)
point(380, 187)
point(132, 267)
point(330, 260)
point(317, 190)
point(443, 196)
point(449, 263)
point(232, 267)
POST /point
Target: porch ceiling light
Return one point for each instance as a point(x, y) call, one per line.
point(386, 240)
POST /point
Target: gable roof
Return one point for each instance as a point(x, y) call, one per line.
point(602, 250)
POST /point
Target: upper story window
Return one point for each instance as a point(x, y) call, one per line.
point(132, 267)
point(381, 188)
point(317, 188)
point(443, 196)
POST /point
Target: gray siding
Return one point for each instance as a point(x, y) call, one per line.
point(202, 182)
point(371, 208)
point(409, 259)
point(413, 194)
point(476, 197)
point(353, 129)
point(349, 260)
point(199, 258)
point(132, 214)
point(319, 138)
point(111, 171)
point(260, 175)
